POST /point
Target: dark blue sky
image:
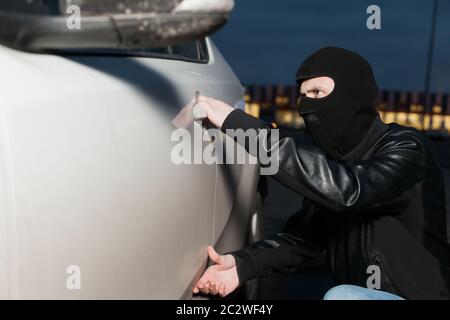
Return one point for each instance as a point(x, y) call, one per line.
point(265, 41)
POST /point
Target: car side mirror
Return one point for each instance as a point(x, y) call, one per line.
point(108, 24)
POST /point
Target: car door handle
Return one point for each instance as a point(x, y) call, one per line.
point(199, 114)
point(198, 111)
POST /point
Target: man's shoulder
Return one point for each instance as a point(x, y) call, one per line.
point(397, 131)
point(399, 137)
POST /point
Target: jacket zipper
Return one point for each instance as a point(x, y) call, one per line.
point(375, 257)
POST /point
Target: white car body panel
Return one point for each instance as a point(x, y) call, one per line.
point(86, 176)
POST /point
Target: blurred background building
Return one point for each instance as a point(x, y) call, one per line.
point(265, 41)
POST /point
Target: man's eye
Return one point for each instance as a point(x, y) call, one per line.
point(317, 93)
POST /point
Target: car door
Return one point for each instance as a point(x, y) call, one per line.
point(93, 205)
point(237, 178)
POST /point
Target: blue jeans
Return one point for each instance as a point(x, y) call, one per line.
point(349, 292)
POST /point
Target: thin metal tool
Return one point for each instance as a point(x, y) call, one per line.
point(198, 111)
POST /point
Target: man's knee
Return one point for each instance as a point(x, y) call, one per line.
point(344, 292)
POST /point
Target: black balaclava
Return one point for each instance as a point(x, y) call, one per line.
point(339, 122)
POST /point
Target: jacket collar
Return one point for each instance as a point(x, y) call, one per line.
point(377, 128)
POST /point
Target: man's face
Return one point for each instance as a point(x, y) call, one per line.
point(317, 88)
point(337, 94)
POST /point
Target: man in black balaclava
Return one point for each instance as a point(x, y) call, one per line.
point(340, 121)
point(373, 193)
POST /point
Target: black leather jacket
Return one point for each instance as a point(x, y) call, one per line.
point(383, 205)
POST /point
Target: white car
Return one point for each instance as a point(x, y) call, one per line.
point(91, 205)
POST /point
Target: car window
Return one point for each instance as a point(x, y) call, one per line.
point(186, 50)
point(195, 51)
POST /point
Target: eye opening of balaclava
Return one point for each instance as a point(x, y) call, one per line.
point(339, 121)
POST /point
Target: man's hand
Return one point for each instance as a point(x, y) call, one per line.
point(220, 278)
point(216, 110)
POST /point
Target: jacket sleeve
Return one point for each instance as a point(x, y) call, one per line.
point(386, 180)
point(304, 237)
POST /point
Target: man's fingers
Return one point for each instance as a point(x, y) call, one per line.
point(202, 287)
point(203, 280)
point(222, 290)
point(212, 288)
point(213, 255)
point(206, 288)
point(217, 287)
point(202, 98)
